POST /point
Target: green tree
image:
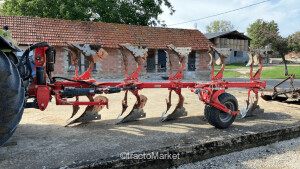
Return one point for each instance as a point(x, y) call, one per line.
point(58, 9)
point(294, 42)
point(136, 12)
point(265, 33)
point(1, 5)
point(219, 26)
point(262, 33)
point(280, 45)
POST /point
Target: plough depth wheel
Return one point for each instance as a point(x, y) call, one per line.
point(12, 97)
point(218, 118)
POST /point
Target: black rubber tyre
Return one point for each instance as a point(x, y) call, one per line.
point(218, 118)
point(12, 96)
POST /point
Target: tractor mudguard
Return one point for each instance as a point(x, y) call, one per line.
point(6, 46)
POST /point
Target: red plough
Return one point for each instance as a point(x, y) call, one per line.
point(220, 110)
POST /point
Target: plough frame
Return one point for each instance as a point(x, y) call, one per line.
point(85, 86)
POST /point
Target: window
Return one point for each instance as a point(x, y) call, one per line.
point(151, 61)
point(192, 61)
point(86, 66)
point(71, 67)
point(238, 54)
point(162, 61)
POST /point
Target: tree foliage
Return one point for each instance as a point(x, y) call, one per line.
point(59, 9)
point(265, 33)
point(219, 26)
point(280, 45)
point(1, 5)
point(262, 33)
point(136, 12)
point(294, 42)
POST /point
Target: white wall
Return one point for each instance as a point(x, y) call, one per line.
point(243, 58)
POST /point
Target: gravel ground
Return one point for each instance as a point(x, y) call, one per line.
point(284, 154)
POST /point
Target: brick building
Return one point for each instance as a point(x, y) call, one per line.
point(30, 30)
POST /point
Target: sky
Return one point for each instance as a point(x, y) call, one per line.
point(286, 13)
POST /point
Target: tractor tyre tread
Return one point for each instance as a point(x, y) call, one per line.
point(212, 114)
point(12, 96)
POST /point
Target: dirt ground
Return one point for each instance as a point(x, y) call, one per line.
point(42, 141)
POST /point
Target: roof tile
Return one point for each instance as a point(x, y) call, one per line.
point(29, 30)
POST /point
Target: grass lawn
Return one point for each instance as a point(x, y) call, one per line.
point(277, 72)
point(274, 72)
point(232, 66)
point(230, 73)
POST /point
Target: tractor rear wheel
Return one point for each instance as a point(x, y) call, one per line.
point(218, 118)
point(12, 96)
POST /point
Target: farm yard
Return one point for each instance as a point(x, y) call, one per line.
point(149, 84)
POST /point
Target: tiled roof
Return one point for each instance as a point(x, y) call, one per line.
point(218, 34)
point(30, 30)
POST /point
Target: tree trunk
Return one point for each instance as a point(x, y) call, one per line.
point(285, 66)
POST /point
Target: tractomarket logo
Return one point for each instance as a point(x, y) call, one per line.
point(149, 156)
